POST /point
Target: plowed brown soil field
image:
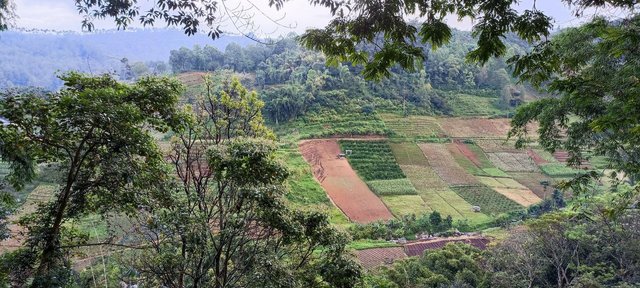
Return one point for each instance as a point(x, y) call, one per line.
point(341, 182)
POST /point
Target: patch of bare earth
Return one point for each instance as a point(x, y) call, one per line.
point(341, 182)
point(375, 257)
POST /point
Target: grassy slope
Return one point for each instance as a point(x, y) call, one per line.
point(304, 191)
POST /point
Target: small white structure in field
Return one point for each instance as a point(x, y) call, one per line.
point(475, 208)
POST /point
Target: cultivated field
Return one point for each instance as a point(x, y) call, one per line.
point(441, 160)
point(475, 127)
point(341, 182)
point(534, 182)
point(436, 193)
point(512, 190)
point(490, 201)
point(374, 257)
point(413, 126)
point(513, 162)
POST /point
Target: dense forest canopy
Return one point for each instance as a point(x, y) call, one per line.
point(294, 80)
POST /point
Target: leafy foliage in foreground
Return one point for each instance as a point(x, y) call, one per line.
point(455, 265)
point(595, 70)
point(98, 130)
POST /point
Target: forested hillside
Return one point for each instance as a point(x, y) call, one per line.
point(32, 58)
point(293, 80)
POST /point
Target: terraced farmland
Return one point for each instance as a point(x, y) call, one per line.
point(464, 162)
point(513, 162)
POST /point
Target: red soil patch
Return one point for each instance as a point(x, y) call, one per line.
point(418, 248)
point(535, 157)
point(563, 157)
point(372, 258)
point(341, 183)
point(467, 152)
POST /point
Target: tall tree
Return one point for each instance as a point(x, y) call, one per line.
point(98, 131)
point(224, 223)
point(594, 70)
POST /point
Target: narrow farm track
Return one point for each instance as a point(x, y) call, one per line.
point(341, 182)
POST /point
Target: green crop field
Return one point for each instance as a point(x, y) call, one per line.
point(464, 162)
point(412, 126)
point(559, 170)
point(408, 154)
point(439, 197)
point(372, 160)
point(392, 187)
point(330, 124)
point(465, 104)
point(401, 205)
point(490, 201)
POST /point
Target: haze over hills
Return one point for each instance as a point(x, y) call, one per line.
point(32, 57)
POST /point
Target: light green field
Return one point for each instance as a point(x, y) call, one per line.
point(407, 153)
point(412, 126)
point(558, 170)
point(392, 187)
point(401, 205)
point(439, 197)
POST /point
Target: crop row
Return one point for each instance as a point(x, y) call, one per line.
point(373, 160)
point(392, 187)
point(559, 170)
point(489, 201)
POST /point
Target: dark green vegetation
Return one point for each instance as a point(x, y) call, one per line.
point(407, 226)
point(392, 187)
point(208, 211)
point(488, 200)
point(373, 160)
point(598, 104)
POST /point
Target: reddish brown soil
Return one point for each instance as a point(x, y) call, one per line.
point(467, 152)
point(418, 248)
point(535, 157)
point(372, 258)
point(561, 156)
point(341, 183)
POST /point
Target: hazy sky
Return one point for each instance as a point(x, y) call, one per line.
point(298, 14)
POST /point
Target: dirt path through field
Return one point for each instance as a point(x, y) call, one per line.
point(341, 182)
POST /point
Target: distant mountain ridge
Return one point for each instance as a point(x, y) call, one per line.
point(31, 57)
